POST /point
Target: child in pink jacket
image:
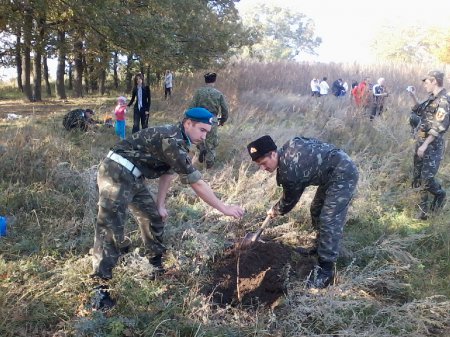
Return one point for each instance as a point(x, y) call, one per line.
point(119, 112)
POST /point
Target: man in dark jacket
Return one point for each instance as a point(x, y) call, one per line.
point(141, 112)
point(303, 162)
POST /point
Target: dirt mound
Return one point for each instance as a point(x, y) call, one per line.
point(256, 275)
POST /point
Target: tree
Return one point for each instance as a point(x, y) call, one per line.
point(412, 44)
point(282, 34)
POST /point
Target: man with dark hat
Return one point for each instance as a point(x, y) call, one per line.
point(214, 101)
point(155, 152)
point(79, 119)
point(303, 162)
point(430, 120)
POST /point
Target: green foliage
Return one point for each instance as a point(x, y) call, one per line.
point(282, 33)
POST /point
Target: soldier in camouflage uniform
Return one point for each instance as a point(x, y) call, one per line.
point(303, 162)
point(156, 152)
point(79, 119)
point(430, 120)
point(214, 101)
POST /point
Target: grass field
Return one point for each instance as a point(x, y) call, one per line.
point(394, 271)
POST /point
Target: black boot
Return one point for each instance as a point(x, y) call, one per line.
point(156, 262)
point(438, 201)
point(322, 275)
point(101, 299)
point(306, 251)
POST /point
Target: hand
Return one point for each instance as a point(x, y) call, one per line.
point(421, 150)
point(234, 211)
point(163, 213)
point(147, 112)
point(271, 212)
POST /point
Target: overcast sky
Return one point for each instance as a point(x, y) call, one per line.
point(347, 27)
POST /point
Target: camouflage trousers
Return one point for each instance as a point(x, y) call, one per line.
point(119, 190)
point(210, 145)
point(330, 206)
point(425, 170)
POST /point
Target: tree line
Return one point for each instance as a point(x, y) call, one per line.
point(91, 38)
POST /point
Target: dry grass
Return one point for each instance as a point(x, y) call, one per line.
point(393, 278)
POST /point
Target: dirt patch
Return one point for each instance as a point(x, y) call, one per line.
point(258, 275)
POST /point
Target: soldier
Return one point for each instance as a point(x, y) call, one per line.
point(302, 162)
point(430, 120)
point(79, 119)
point(213, 100)
point(155, 152)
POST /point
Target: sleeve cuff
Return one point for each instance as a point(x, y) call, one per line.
point(433, 133)
point(190, 178)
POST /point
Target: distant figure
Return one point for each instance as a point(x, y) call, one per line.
point(213, 100)
point(324, 87)
point(337, 88)
point(119, 112)
point(143, 98)
point(168, 84)
point(430, 119)
point(379, 96)
point(345, 86)
point(363, 93)
point(352, 93)
point(315, 88)
point(79, 119)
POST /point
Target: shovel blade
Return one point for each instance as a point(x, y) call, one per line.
point(248, 240)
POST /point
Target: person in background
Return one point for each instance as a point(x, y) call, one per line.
point(379, 96)
point(430, 119)
point(168, 84)
point(141, 113)
point(119, 112)
point(337, 88)
point(324, 87)
point(81, 119)
point(315, 88)
point(214, 101)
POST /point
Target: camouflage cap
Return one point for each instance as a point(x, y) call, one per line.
point(261, 147)
point(199, 115)
point(436, 74)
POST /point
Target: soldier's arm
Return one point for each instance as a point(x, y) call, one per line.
point(291, 195)
point(163, 187)
point(204, 191)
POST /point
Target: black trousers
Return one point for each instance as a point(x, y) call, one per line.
point(139, 119)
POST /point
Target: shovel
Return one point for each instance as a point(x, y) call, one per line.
point(251, 238)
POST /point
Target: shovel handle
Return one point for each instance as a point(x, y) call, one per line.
point(263, 226)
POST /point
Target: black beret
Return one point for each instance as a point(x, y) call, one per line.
point(261, 147)
point(210, 77)
point(199, 115)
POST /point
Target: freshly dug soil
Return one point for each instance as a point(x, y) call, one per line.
point(257, 275)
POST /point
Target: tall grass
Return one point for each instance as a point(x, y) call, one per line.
point(393, 278)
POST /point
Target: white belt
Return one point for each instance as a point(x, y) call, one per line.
point(125, 163)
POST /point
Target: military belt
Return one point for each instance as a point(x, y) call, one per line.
point(125, 163)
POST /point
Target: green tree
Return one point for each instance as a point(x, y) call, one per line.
point(282, 34)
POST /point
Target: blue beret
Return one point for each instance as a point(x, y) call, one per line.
point(199, 115)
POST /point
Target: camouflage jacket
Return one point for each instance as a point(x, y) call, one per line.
point(77, 119)
point(303, 162)
point(160, 150)
point(211, 99)
point(434, 115)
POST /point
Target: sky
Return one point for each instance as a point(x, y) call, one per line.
point(348, 27)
